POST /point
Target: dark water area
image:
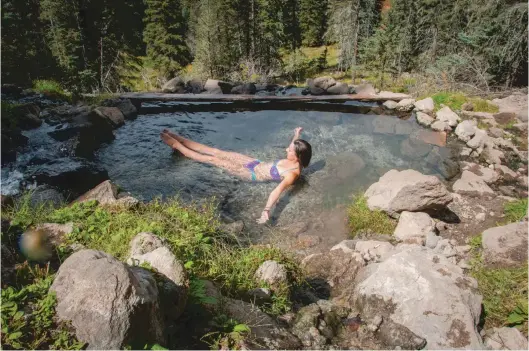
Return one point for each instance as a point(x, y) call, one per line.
point(350, 152)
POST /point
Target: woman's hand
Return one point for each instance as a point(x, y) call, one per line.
point(265, 216)
point(298, 130)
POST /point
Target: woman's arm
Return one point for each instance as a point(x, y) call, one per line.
point(297, 133)
point(289, 179)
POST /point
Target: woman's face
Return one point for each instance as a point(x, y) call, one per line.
point(291, 152)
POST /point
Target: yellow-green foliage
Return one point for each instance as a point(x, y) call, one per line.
point(455, 100)
point(50, 88)
point(363, 220)
point(516, 210)
point(315, 52)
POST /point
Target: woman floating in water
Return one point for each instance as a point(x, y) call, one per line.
point(285, 171)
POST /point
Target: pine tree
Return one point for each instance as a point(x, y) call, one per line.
point(313, 21)
point(164, 35)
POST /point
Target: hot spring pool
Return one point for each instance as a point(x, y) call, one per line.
point(350, 152)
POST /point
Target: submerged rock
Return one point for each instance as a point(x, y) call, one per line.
point(109, 304)
point(421, 296)
point(126, 107)
point(407, 190)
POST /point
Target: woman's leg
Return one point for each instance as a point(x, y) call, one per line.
point(227, 155)
point(232, 167)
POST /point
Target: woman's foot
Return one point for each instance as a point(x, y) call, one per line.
point(172, 142)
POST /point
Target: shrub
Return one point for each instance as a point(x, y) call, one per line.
point(50, 88)
point(362, 220)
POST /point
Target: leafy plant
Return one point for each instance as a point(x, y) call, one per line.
point(228, 335)
point(50, 88)
point(518, 316)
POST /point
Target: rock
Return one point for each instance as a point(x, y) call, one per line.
point(522, 127)
point(507, 190)
point(445, 309)
point(174, 86)
point(472, 184)
point(337, 268)
point(505, 339)
point(112, 114)
point(425, 105)
point(424, 119)
point(465, 151)
point(260, 295)
point(305, 240)
point(233, 228)
point(109, 304)
point(105, 194)
point(441, 126)
point(493, 155)
point(480, 217)
point(405, 105)
point(347, 246)
point(72, 174)
point(479, 139)
point(126, 107)
point(467, 106)
point(407, 190)
point(496, 132)
point(430, 137)
point(432, 239)
point(246, 89)
point(414, 148)
point(463, 249)
point(55, 232)
point(148, 248)
point(505, 117)
point(414, 224)
point(505, 245)
point(338, 89)
point(384, 125)
point(446, 165)
point(372, 250)
point(488, 175)
point(390, 104)
point(323, 82)
point(214, 86)
point(507, 173)
point(26, 116)
point(11, 89)
point(365, 89)
point(516, 103)
point(195, 86)
point(466, 130)
point(447, 115)
point(271, 273)
point(127, 202)
point(45, 195)
point(441, 226)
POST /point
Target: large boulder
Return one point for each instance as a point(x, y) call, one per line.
point(365, 89)
point(466, 130)
point(424, 119)
point(112, 114)
point(405, 105)
point(106, 194)
point(505, 339)
point(214, 86)
point(110, 304)
point(195, 86)
point(126, 107)
point(408, 190)
point(505, 245)
point(174, 86)
point(420, 292)
point(26, 116)
point(471, 184)
point(323, 82)
point(71, 174)
point(425, 105)
point(246, 89)
point(447, 115)
point(148, 248)
point(338, 89)
point(414, 224)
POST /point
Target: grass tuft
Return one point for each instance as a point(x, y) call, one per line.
point(362, 220)
point(51, 89)
point(455, 100)
point(515, 211)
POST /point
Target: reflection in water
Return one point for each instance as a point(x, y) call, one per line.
point(350, 151)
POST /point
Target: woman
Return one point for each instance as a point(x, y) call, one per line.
point(285, 171)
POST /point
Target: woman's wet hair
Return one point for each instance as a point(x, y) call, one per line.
point(303, 152)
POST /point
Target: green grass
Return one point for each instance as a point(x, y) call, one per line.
point(51, 89)
point(455, 101)
point(504, 291)
point(363, 220)
point(333, 53)
point(515, 211)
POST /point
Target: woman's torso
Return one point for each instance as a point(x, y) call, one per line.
point(275, 170)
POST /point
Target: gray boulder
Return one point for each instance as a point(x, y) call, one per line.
point(374, 250)
point(505, 339)
point(105, 194)
point(195, 86)
point(441, 126)
point(505, 245)
point(148, 248)
point(418, 292)
point(488, 175)
point(365, 89)
point(447, 115)
point(109, 304)
point(323, 82)
point(126, 107)
point(110, 114)
point(466, 130)
point(272, 273)
point(407, 190)
point(214, 86)
point(246, 89)
point(414, 224)
point(424, 119)
point(425, 105)
point(46, 195)
point(479, 139)
point(390, 104)
point(338, 89)
point(174, 86)
point(472, 184)
point(405, 105)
